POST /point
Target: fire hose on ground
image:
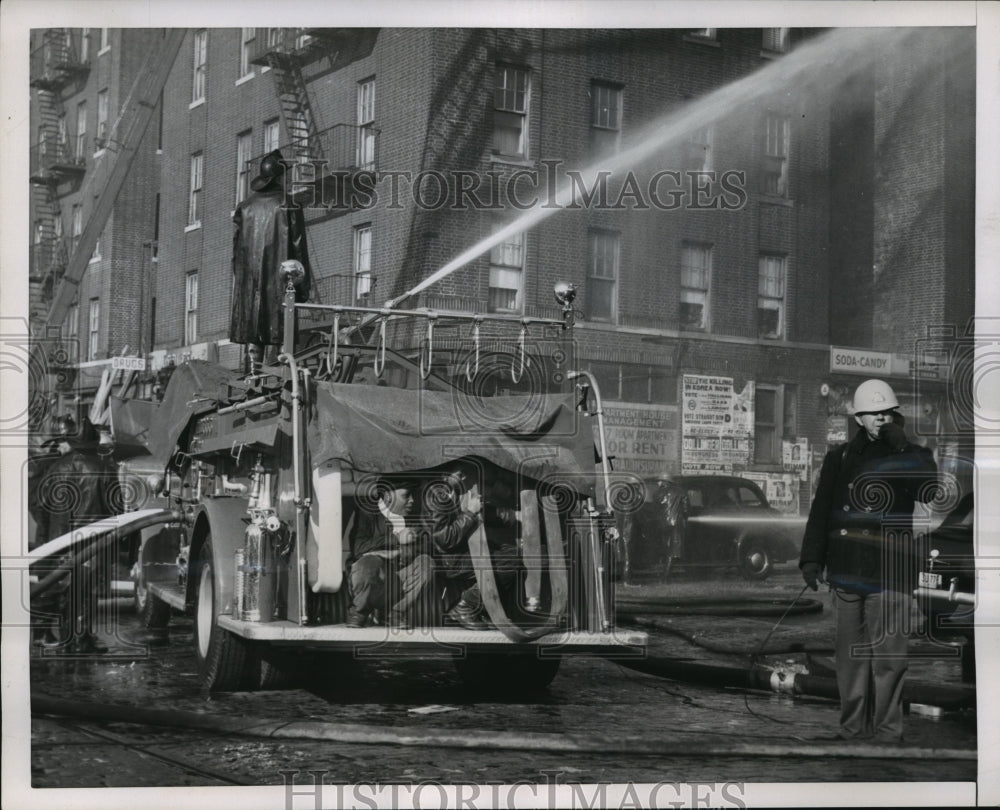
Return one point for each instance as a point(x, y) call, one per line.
point(659, 745)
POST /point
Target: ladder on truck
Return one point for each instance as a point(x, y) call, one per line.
point(126, 134)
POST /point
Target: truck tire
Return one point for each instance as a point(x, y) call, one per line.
point(153, 611)
point(223, 663)
point(507, 674)
point(755, 561)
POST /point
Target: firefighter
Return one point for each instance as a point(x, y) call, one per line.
point(268, 232)
point(72, 493)
point(456, 511)
point(389, 558)
point(860, 530)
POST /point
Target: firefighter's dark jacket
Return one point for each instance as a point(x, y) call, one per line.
point(860, 525)
point(74, 490)
point(266, 233)
point(373, 533)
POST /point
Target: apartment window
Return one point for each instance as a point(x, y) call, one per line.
point(704, 33)
point(85, 45)
point(506, 273)
point(698, 150)
point(72, 325)
point(246, 49)
point(273, 37)
point(302, 40)
point(61, 133)
point(244, 145)
point(102, 119)
point(366, 125)
point(768, 410)
point(200, 60)
point(93, 327)
point(272, 134)
point(775, 39)
point(775, 168)
point(362, 264)
point(771, 297)
point(191, 308)
point(105, 40)
point(696, 276)
point(194, 198)
point(77, 227)
point(510, 114)
point(602, 275)
point(605, 116)
point(81, 131)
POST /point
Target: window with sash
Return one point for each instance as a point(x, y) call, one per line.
point(362, 264)
point(194, 195)
point(244, 146)
point(696, 277)
point(605, 116)
point(774, 174)
point(507, 274)
point(366, 125)
point(602, 274)
point(191, 308)
point(511, 98)
point(246, 50)
point(771, 297)
point(200, 61)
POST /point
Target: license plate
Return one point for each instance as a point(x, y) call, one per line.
point(928, 579)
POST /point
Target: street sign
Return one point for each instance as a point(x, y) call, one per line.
point(128, 363)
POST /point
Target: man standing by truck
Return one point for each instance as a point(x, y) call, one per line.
point(860, 529)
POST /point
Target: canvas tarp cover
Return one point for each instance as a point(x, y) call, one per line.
point(386, 430)
point(194, 388)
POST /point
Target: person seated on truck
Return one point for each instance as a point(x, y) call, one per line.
point(455, 512)
point(389, 560)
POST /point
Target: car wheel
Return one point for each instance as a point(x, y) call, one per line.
point(755, 561)
point(223, 664)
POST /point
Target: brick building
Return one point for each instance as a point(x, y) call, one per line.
point(714, 326)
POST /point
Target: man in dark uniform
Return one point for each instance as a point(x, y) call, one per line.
point(455, 512)
point(268, 232)
point(72, 493)
point(390, 568)
point(860, 529)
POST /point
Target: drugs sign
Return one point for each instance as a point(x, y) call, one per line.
point(128, 363)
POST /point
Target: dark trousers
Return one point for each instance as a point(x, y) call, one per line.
point(871, 647)
point(381, 584)
point(461, 582)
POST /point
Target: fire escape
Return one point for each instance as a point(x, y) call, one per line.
point(56, 165)
point(297, 56)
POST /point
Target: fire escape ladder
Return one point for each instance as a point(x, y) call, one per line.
point(296, 110)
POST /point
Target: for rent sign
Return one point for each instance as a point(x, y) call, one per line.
point(642, 438)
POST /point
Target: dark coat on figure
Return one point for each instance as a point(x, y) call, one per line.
point(860, 525)
point(266, 234)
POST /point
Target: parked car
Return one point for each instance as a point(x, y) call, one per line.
point(946, 587)
point(730, 523)
point(726, 521)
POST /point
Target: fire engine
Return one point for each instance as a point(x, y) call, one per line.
point(253, 480)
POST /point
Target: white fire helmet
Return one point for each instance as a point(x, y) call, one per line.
point(873, 396)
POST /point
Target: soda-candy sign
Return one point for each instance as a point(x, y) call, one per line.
point(871, 364)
